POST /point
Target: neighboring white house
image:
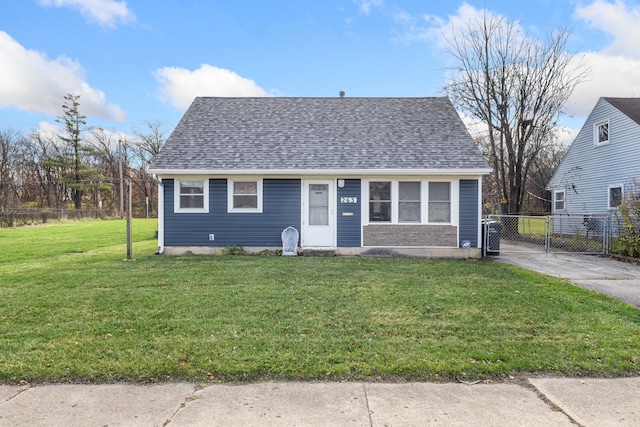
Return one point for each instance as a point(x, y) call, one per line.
point(603, 163)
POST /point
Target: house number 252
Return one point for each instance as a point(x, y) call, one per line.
point(348, 200)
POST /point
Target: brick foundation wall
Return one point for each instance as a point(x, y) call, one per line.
point(410, 235)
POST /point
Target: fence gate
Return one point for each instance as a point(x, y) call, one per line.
point(585, 234)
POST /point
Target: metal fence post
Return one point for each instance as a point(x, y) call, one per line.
point(547, 239)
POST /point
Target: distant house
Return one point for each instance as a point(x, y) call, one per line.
point(602, 163)
point(352, 175)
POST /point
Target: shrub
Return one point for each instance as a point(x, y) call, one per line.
point(629, 210)
point(233, 250)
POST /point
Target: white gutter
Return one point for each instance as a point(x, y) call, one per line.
point(316, 172)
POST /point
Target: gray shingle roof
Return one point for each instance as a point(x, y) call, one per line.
point(628, 106)
point(319, 133)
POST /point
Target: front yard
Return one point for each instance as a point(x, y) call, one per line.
point(72, 310)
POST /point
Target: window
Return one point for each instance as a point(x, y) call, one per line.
point(191, 196)
point(409, 202)
point(615, 196)
point(559, 200)
point(318, 204)
point(244, 195)
point(439, 202)
point(380, 201)
point(601, 133)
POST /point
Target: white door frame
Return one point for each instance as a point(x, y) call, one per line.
point(319, 236)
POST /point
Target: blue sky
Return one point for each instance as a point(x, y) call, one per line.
point(137, 61)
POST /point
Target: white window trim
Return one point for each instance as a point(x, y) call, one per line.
point(176, 196)
point(424, 201)
point(230, 185)
point(621, 187)
point(564, 200)
point(596, 142)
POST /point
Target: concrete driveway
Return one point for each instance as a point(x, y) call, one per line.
point(618, 279)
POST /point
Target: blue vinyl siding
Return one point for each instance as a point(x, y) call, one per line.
point(469, 216)
point(281, 208)
point(349, 227)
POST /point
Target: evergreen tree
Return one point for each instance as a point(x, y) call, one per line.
point(74, 160)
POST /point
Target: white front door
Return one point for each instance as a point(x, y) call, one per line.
point(318, 229)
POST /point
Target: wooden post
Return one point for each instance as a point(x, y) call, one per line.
point(129, 220)
point(120, 171)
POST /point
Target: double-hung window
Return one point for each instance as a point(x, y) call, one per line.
point(244, 195)
point(380, 201)
point(191, 196)
point(439, 202)
point(615, 196)
point(601, 133)
point(409, 207)
point(559, 200)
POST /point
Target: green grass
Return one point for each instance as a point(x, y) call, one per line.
point(532, 226)
point(72, 310)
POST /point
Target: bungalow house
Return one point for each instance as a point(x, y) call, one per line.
point(603, 162)
point(351, 175)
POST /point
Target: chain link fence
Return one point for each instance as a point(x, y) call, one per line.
point(586, 234)
point(18, 217)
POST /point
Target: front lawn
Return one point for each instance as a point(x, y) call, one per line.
point(74, 311)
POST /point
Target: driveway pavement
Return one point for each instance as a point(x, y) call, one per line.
point(618, 279)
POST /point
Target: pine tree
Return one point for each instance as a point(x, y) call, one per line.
point(74, 162)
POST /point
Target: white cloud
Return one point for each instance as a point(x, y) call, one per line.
point(50, 130)
point(105, 12)
point(366, 5)
point(611, 75)
point(615, 71)
point(617, 19)
point(31, 82)
point(180, 86)
point(434, 28)
point(565, 135)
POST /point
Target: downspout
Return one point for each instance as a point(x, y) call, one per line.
point(479, 235)
point(160, 216)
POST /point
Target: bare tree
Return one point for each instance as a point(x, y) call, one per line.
point(515, 86)
point(538, 198)
point(44, 173)
point(49, 171)
point(146, 146)
point(105, 160)
point(10, 142)
point(149, 141)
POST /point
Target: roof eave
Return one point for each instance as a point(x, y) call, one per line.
point(317, 172)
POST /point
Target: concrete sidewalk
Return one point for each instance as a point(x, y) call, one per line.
point(538, 402)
